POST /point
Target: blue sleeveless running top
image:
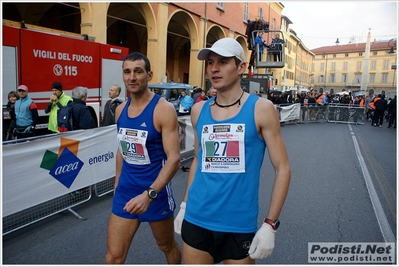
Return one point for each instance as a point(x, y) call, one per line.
point(142, 150)
point(224, 194)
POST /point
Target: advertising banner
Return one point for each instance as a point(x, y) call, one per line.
point(44, 169)
point(289, 113)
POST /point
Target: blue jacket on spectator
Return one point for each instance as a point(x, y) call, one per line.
point(82, 118)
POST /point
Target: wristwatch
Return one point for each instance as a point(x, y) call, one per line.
point(274, 224)
point(152, 193)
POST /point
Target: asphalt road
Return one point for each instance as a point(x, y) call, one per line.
point(329, 201)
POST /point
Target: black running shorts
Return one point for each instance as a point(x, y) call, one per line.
point(220, 245)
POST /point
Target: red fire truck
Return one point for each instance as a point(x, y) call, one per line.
point(37, 59)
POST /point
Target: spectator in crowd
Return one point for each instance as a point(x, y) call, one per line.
point(344, 108)
point(231, 118)
point(94, 116)
point(202, 97)
point(335, 99)
point(185, 102)
point(257, 93)
point(358, 105)
point(322, 102)
point(197, 93)
point(316, 96)
point(311, 103)
point(380, 107)
point(372, 107)
point(361, 101)
point(110, 106)
point(368, 111)
point(26, 114)
point(392, 113)
point(82, 117)
point(303, 100)
point(58, 99)
point(9, 120)
point(259, 41)
point(298, 98)
point(146, 161)
point(276, 47)
point(291, 97)
point(326, 99)
point(212, 92)
point(333, 109)
point(272, 98)
point(282, 99)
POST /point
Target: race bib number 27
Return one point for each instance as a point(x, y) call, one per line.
point(223, 148)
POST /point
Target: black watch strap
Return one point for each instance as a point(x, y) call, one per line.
point(152, 193)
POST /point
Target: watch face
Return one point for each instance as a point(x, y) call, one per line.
point(276, 224)
point(152, 193)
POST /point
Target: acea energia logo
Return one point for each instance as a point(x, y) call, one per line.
point(64, 165)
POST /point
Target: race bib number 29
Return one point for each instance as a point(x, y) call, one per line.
point(223, 148)
point(132, 146)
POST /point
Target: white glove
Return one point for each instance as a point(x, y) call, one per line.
point(263, 243)
point(179, 218)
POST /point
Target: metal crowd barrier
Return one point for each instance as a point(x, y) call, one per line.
point(336, 113)
point(346, 114)
point(44, 210)
point(104, 187)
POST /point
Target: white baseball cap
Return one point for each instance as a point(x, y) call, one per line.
point(226, 47)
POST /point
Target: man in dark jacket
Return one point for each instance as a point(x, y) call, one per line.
point(392, 113)
point(277, 47)
point(81, 115)
point(110, 106)
point(282, 99)
point(380, 107)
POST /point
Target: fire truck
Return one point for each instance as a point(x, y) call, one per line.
point(37, 59)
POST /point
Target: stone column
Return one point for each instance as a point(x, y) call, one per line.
point(157, 44)
point(94, 20)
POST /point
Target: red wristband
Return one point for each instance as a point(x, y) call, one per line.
point(274, 224)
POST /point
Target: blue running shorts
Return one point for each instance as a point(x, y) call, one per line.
point(159, 209)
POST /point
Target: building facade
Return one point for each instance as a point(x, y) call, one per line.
point(170, 34)
point(340, 67)
point(298, 71)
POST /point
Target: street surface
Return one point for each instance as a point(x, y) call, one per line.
point(329, 200)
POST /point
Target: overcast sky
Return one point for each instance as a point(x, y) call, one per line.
point(320, 23)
